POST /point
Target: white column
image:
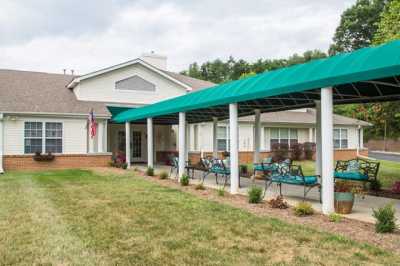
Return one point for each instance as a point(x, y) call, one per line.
point(215, 146)
point(106, 149)
point(128, 143)
point(182, 143)
point(310, 134)
point(150, 144)
point(358, 140)
point(318, 153)
point(234, 141)
point(327, 156)
point(187, 139)
point(100, 137)
point(257, 136)
point(1, 142)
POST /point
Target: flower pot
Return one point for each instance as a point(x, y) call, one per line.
point(344, 202)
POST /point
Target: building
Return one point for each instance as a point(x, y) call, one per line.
point(42, 112)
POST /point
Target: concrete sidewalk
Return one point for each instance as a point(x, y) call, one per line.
point(362, 209)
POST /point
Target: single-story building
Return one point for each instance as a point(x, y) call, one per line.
point(42, 112)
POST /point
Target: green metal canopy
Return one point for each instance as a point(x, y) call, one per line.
point(365, 75)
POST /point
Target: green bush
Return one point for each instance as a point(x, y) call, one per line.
point(221, 191)
point(385, 219)
point(150, 171)
point(163, 175)
point(303, 209)
point(184, 180)
point(200, 186)
point(375, 185)
point(334, 217)
point(255, 194)
point(124, 166)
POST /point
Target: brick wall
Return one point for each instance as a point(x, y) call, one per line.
point(26, 162)
point(246, 157)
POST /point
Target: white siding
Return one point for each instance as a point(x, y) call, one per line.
point(102, 88)
point(74, 134)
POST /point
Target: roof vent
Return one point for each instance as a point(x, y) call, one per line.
point(156, 60)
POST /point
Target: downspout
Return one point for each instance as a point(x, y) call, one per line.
point(358, 140)
point(1, 142)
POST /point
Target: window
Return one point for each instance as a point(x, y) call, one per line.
point(33, 137)
point(34, 134)
point(54, 137)
point(340, 140)
point(222, 138)
point(283, 135)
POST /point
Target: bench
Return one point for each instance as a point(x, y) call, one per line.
point(357, 170)
point(283, 173)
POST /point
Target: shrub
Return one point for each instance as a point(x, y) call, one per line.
point(297, 151)
point(303, 209)
point(124, 166)
point(278, 203)
point(163, 175)
point(221, 191)
point(150, 171)
point(334, 217)
point(184, 180)
point(375, 185)
point(396, 187)
point(200, 186)
point(309, 150)
point(280, 151)
point(385, 219)
point(255, 194)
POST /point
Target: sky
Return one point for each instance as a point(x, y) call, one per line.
point(49, 36)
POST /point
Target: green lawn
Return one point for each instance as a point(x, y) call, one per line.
point(389, 172)
point(76, 217)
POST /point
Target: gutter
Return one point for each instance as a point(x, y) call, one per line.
point(71, 115)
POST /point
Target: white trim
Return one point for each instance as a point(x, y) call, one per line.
point(128, 144)
point(43, 137)
point(234, 144)
point(64, 115)
point(182, 144)
point(75, 81)
point(150, 143)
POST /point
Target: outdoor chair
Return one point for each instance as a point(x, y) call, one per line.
point(206, 164)
point(357, 170)
point(284, 173)
point(174, 165)
point(265, 165)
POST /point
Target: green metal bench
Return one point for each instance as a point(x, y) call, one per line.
point(357, 170)
point(284, 173)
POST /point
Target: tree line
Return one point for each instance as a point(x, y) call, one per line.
point(366, 23)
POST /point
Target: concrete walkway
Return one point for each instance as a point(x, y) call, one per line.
point(362, 209)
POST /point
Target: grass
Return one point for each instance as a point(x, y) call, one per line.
point(76, 217)
point(389, 172)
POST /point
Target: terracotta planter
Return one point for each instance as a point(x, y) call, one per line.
point(344, 202)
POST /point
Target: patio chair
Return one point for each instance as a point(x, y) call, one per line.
point(284, 173)
point(265, 165)
point(206, 164)
point(357, 170)
point(174, 161)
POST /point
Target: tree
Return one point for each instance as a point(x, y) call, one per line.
point(358, 25)
point(389, 25)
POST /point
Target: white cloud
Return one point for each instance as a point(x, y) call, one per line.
point(86, 35)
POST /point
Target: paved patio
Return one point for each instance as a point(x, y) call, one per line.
point(362, 209)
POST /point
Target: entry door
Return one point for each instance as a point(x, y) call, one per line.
point(138, 146)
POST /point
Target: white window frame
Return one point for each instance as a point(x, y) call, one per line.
point(43, 137)
point(279, 135)
point(341, 139)
point(227, 139)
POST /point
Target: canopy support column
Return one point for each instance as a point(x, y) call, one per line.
point(234, 153)
point(318, 148)
point(1, 142)
point(215, 144)
point(128, 143)
point(257, 136)
point(182, 144)
point(327, 156)
point(150, 143)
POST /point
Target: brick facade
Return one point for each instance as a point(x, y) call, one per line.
point(26, 162)
point(246, 157)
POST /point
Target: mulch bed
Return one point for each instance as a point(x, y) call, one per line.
point(352, 229)
point(385, 193)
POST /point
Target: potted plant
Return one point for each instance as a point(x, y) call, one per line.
point(39, 157)
point(344, 196)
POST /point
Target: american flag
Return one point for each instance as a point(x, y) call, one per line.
point(92, 124)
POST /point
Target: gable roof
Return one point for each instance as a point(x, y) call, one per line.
point(307, 117)
point(195, 84)
point(37, 92)
point(165, 74)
